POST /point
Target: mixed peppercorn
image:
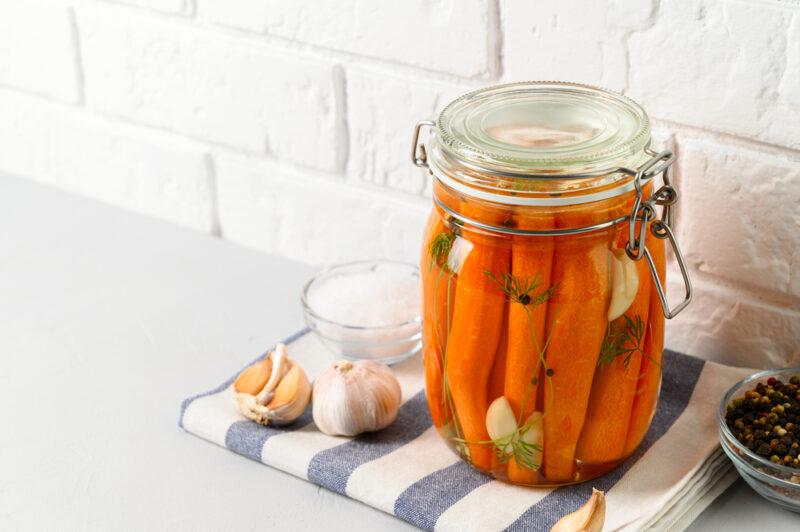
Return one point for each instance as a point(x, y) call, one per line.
point(766, 420)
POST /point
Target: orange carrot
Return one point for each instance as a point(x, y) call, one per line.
point(650, 370)
point(614, 387)
point(498, 373)
point(474, 337)
point(434, 323)
point(526, 328)
point(576, 324)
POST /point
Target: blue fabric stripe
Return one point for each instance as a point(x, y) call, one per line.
point(248, 438)
point(679, 377)
point(332, 468)
point(423, 502)
point(186, 402)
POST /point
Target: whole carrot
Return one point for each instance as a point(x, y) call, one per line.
point(526, 326)
point(474, 338)
point(650, 371)
point(438, 289)
point(615, 380)
point(576, 324)
point(498, 374)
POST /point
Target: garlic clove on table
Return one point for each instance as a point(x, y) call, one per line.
point(588, 518)
point(274, 390)
point(355, 397)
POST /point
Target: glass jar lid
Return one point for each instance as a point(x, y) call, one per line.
point(535, 128)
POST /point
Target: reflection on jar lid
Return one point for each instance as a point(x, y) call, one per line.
point(540, 142)
point(543, 127)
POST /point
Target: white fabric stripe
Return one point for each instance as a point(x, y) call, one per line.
point(716, 486)
point(379, 483)
point(479, 510)
point(699, 485)
point(677, 456)
point(210, 417)
point(293, 451)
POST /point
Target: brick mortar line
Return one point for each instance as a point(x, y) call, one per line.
point(75, 38)
point(369, 64)
point(307, 50)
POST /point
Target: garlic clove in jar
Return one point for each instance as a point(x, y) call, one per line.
point(624, 284)
point(501, 424)
point(588, 518)
point(355, 397)
point(273, 391)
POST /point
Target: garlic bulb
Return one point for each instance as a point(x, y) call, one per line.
point(588, 518)
point(274, 390)
point(355, 397)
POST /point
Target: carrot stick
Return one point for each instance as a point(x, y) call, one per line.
point(650, 370)
point(614, 387)
point(435, 320)
point(526, 328)
point(498, 373)
point(474, 337)
point(576, 324)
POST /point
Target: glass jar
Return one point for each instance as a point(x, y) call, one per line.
point(543, 327)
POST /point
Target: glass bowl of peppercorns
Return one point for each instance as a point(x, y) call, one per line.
point(759, 429)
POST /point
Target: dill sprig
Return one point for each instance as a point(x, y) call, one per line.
point(440, 249)
point(526, 455)
point(622, 340)
point(522, 291)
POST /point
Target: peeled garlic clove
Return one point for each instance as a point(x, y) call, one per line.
point(355, 397)
point(588, 518)
point(534, 435)
point(500, 422)
point(284, 390)
point(624, 284)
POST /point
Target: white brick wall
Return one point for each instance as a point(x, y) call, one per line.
point(285, 126)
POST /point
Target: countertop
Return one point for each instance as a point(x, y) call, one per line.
point(108, 320)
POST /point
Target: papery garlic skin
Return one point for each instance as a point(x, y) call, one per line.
point(355, 397)
point(588, 518)
point(284, 396)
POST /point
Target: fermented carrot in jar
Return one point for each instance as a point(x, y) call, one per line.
point(542, 262)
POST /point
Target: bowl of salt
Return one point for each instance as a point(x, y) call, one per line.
point(366, 310)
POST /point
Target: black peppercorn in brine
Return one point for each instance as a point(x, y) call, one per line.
point(766, 420)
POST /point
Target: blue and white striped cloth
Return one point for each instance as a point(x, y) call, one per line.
point(407, 471)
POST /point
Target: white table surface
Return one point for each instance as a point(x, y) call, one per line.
point(107, 321)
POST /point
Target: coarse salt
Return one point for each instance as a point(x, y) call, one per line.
point(376, 295)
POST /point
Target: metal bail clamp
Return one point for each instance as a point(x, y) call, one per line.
point(644, 211)
point(418, 152)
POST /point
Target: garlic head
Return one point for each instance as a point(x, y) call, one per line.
point(355, 397)
point(273, 391)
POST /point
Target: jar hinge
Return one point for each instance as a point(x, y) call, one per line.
point(644, 211)
point(418, 152)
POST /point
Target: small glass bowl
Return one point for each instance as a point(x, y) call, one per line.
point(389, 344)
point(775, 482)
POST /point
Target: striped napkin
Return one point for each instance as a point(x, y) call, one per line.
point(407, 471)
